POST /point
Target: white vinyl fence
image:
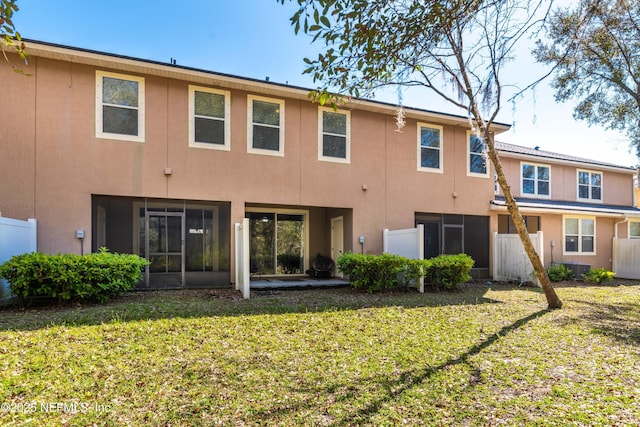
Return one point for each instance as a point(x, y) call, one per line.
point(16, 237)
point(408, 243)
point(626, 258)
point(242, 257)
point(510, 261)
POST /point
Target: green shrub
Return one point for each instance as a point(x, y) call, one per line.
point(560, 272)
point(382, 272)
point(598, 275)
point(65, 277)
point(446, 271)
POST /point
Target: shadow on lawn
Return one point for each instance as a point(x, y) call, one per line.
point(406, 381)
point(620, 321)
point(156, 305)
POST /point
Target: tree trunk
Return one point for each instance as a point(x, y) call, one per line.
point(514, 211)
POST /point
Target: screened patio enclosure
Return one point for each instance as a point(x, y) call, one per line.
point(187, 242)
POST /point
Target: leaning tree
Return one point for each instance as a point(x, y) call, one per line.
point(457, 49)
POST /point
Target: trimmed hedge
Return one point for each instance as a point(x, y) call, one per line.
point(99, 276)
point(383, 272)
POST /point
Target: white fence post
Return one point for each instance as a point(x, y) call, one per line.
point(243, 282)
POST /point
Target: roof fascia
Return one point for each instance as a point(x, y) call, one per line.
point(552, 160)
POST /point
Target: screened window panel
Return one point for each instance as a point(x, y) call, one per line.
point(267, 113)
point(209, 104)
point(266, 138)
point(335, 123)
point(119, 120)
point(634, 229)
point(210, 131)
point(334, 146)
point(119, 92)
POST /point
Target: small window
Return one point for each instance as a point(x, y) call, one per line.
point(634, 229)
point(580, 235)
point(429, 148)
point(209, 120)
point(266, 126)
point(333, 138)
point(477, 160)
point(535, 180)
point(506, 225)
point(119, 106)
point(589, 185)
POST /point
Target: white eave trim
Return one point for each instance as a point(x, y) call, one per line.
point(575, 210)
point(552, 160)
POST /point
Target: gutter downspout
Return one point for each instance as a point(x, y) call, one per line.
point(615, 226)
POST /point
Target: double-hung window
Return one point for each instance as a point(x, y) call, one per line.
point(265, 134)
point(429, 148)
point(334, 136)
point(209, 120)
point(589, 185)
point(476, 159)
point(579, 235)
point(119, 106)
point(535, 180)
point(634, 229)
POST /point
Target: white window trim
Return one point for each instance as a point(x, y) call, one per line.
point(589, 199)
point(321, 134)
point(535, 194)
point(141, 110)
point(421, 168)
point(468, 155)
point(192, 119)
point(564, 235)
point(629, 230)
point(250, 149)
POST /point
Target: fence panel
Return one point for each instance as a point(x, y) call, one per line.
point(510, 261)
point(408, 242)
point(16, 237)
point(626, 258)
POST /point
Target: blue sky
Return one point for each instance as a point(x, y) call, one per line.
point(253, 38)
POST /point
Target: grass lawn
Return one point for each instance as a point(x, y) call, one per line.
point(476, 357)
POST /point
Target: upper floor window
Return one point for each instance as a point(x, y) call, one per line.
point(209, 118)
point(266, 126)
point(580, 235)
point(119, 106)
point(589, 185)
point(477, 160)
point(334, 136)
point(429, 147)
point(634, 229)
point(535, 179)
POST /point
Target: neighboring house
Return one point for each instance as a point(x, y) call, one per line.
point(582, 206)
point(162, 160)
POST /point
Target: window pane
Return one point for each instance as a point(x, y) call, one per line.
point(571, 243)
point(477, 164)
point(334, 123)
point(334, 146)
point(596, 193)
point(588, 227)
point(634, 229)
point(266, 138)
point(476, 145)
point(596, 179)
point(583, 191)
point(429, 158)
point(209, 104)
point(571, 226)
point(583, 178)
point(543, 188)
point(119, 120)
point(209, 131)
point(267, 113)
point(543, 173)
point(528, 186)
point(528, 171)
point(119, 92)
point(430, 137)
point(587, 244)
